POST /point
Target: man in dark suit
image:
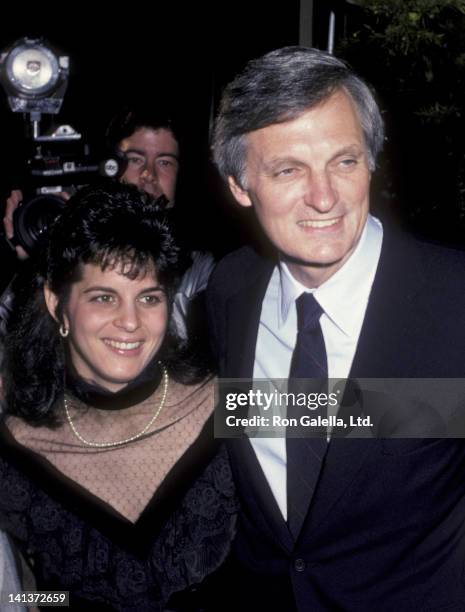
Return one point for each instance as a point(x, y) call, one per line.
point(350, 524)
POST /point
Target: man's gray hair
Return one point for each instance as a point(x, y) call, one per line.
point(279, 87)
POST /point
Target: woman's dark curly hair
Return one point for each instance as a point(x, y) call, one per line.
point(108, 225)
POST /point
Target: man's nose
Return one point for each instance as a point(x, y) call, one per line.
point(149, 173)
point(321, 192)
point(127, 317)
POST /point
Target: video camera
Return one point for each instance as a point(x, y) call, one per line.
point(34, 76)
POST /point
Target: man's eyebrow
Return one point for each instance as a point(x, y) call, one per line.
point(269, 164)
point(173, 155)
point(355, 149)
point(136, 151)
point(144, 154)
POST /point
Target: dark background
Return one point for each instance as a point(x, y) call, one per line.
point(184, 54)
point(181, 54)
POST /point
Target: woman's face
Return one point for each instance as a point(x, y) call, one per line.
point(116, 325)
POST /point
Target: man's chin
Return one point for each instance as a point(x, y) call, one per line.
point(318, 263)
point(312, 272)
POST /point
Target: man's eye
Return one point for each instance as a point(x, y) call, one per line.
point(167, 163)
point(348, 162)
point(285, 172)
point(136, 161)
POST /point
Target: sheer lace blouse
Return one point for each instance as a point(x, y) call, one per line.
point(124, 477)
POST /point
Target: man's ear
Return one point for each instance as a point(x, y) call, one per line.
point(241, 195)
point(51, 301)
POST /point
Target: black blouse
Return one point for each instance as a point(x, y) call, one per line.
point(76, 542)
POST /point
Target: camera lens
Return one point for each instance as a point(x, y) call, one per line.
point(33, 217)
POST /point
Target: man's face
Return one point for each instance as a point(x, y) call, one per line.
point(308, 181)
point(153, 161)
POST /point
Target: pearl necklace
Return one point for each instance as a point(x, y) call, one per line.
point(127, 440)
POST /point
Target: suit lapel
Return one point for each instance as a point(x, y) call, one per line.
point(243, 312)
point(243, 316)
point(390, 312)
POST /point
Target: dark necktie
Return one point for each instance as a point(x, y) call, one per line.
point(305, 455)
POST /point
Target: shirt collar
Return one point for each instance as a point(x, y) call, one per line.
point(344, 295)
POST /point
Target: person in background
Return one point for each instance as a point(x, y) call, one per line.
point(106, 435)
point(151, 147)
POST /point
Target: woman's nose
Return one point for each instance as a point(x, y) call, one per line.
point(127, 317)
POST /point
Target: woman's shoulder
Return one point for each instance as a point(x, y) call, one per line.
point(28, 435)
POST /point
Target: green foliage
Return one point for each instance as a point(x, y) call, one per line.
point(413, 53)
point(414, 46)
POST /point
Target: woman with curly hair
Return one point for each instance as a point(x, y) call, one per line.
point(110, 481)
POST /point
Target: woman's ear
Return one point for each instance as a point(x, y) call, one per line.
point(51, 300)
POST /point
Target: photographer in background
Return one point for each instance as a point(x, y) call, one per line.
point(148, 146)
point(151, 147)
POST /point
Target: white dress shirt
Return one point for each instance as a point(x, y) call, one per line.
point(343, 298)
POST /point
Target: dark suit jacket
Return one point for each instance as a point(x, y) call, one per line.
point(385, 530)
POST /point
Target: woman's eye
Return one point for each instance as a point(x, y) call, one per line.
point(103, 299)
point(150, 300)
